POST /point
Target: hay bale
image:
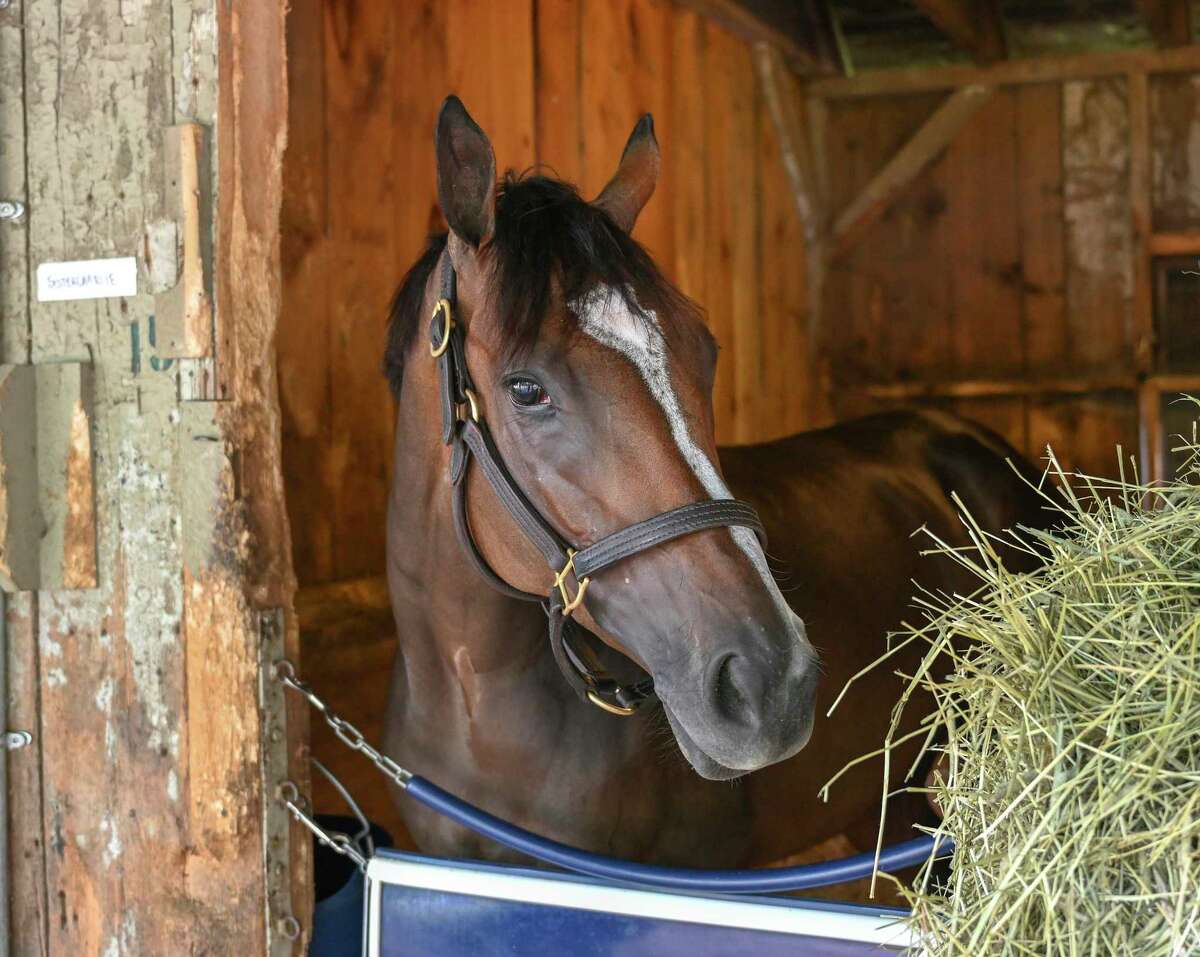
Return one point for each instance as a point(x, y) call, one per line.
point(1073, 716)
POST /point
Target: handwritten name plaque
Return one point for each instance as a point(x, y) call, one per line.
point(87, 279)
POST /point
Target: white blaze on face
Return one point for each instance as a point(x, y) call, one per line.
point(604, 316)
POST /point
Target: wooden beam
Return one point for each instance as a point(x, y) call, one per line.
point(973, 25)
point(1174, 244)
point(998, 388)
point(788, 30)
point(924, 147)
point(793, 145)
point(798, 141)
point(1018, 388)
point(1011, 72)
point(1169, 21)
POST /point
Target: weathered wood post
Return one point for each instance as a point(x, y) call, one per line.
point(143, 537)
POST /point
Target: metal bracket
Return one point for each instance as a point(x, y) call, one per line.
point(11, 209)
point(283, 930)
point(15, 740)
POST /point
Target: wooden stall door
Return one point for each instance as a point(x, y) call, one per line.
point(136, 811)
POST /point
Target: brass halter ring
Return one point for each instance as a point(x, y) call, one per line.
point(610, 708)
point(443, 306)
point(560, 582)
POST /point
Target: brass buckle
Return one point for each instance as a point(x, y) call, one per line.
point(610, 708)
point(472, 403)
point(560, 582)
point(443, 306)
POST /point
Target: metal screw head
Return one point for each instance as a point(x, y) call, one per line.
point(15, 740)
point(11, 209)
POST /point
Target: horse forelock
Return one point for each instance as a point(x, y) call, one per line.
point(547, 240)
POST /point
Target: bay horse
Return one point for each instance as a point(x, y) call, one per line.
point(593, 376)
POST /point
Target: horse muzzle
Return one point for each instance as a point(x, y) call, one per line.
point(751, 709)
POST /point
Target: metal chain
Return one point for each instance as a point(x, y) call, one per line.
point(297, 805)
point(349, 735)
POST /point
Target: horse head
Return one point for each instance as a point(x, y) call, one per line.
point(595, 377)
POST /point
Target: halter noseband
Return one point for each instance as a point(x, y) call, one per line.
point(464, 430)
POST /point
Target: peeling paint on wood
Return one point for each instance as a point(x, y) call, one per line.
point(149, 795)
point(79, 526)
point(47, 518)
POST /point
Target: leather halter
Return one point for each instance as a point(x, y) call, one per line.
point(464, 430)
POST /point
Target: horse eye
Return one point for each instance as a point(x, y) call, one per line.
point(525, 393)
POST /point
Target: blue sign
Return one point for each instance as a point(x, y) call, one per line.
point(424, 907)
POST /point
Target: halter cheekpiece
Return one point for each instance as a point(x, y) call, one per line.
point(464, 430)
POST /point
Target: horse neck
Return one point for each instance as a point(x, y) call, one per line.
point(442, 606)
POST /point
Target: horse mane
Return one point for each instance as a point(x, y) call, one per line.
point(545, 234)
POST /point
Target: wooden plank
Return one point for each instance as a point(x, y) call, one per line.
point(184, 312)
point(305, 382)
point(983, 257)
point(224, 597)
point(732, 260)
point(419, 84)
point(1082, 66)
point(29, 916)
point(1098, 222)
point(785, 376)
point(1142, 305)
point(988, 388)
point(975, 27)
point(925, 146)
point(626, 59)
point(1169, 21)
point(1032, 386)
point(1040, 213)
point(361, 141)
point(685, 159)
point(559, 110)
point(489, 64)
point(1151, 453)
point(1174, 244)
point(14, 306)
point(1175, 129)
point(820, 402)
point(20, 518)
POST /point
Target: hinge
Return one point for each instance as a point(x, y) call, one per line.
point(283, 929)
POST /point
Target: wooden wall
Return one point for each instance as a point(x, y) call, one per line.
point(1004, 280)
point(554, 82)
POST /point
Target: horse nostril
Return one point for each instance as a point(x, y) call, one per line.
point(732, 696)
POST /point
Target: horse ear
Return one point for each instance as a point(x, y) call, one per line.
point(466, 174)
point(633, 183)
